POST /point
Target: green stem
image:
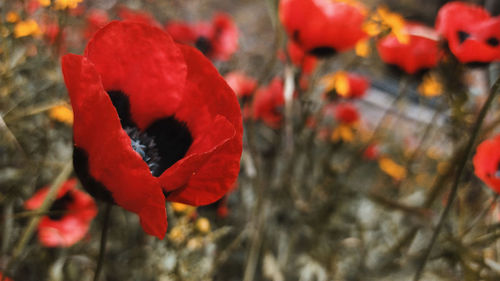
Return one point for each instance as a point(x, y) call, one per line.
point(461, 166)
point(104, 238)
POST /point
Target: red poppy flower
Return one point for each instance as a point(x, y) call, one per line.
point(69, 218)
point(371, 152)
point(137, 16)
point(472, 34)
point(268, 104)
point(346, 113)
point(217, 39)
point(487, 162)
point(151, 117)
point(420, 53)
point(4, 278)
point(298, 57)
point(242, 85)
point(323, 27)
point(96, 19)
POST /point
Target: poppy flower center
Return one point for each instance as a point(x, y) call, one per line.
point(161, 144)
point(203, 44)
point(60, 206)
point(323, 52)
point(462, 36)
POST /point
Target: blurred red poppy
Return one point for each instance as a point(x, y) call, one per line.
point(242, 84)
point(217, 39)
point(323, 27)
point(346, 85)
point(69, 216)
point(473, 35)
point(268, 104)
point(151, 117)
point(95, 20)
point(487, 162)
point(299, 58)
point(346, 113)
point(371, 152)
point(144, 17)
point(420, 53)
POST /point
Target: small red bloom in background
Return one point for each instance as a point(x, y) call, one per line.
point(217, 39)
point(242, 84)
point(346, 85)
point(50, 30)
point(371, 152)
point(153, 121)
point(4, 278)
point(95, 20)
point(299, 58)
point(346, 113)
point(144, 17)
point(323, 27)
point(472, 34)
point(420, 53)
point(487, 162)
point(268, 104)
point(70, 215)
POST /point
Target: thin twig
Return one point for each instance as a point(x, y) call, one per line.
point(461, 167)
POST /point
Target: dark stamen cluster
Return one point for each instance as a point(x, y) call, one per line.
point(60, 206)
point(145, 146)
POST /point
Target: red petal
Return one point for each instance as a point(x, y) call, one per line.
point(486, 161)
point(112, 161)
point(151, 71)
point(211, 110)
point(322, 23)
point(37, 199)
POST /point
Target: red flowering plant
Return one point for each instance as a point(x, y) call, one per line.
point(323, 27)
point(243, 86)
point(472, 34)
point(268, 104)
point(487, 162)
point(95, 20)
point(307, 63)
point(217, 39)
point(153, 121)
point(420, 53)
point(69, 216)
point(348, 85)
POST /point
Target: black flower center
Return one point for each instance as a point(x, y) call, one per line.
point(161, 144)
point(203, 44)
point(323, 52)
point(60, 206)
point(492, 41)
point(462, 36)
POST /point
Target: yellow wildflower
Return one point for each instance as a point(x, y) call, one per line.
point(430, 86)
point(44, 3)
point(384, 21)
point(362, 49)
point(66, 4)
point(391, 168)
point(26, 28)
point(338, 82)
point(12, 17)
point(342, 132)
point(62, 113)
point(203, 225)
point(177, 234)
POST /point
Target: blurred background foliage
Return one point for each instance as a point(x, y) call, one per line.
point(309, 203)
